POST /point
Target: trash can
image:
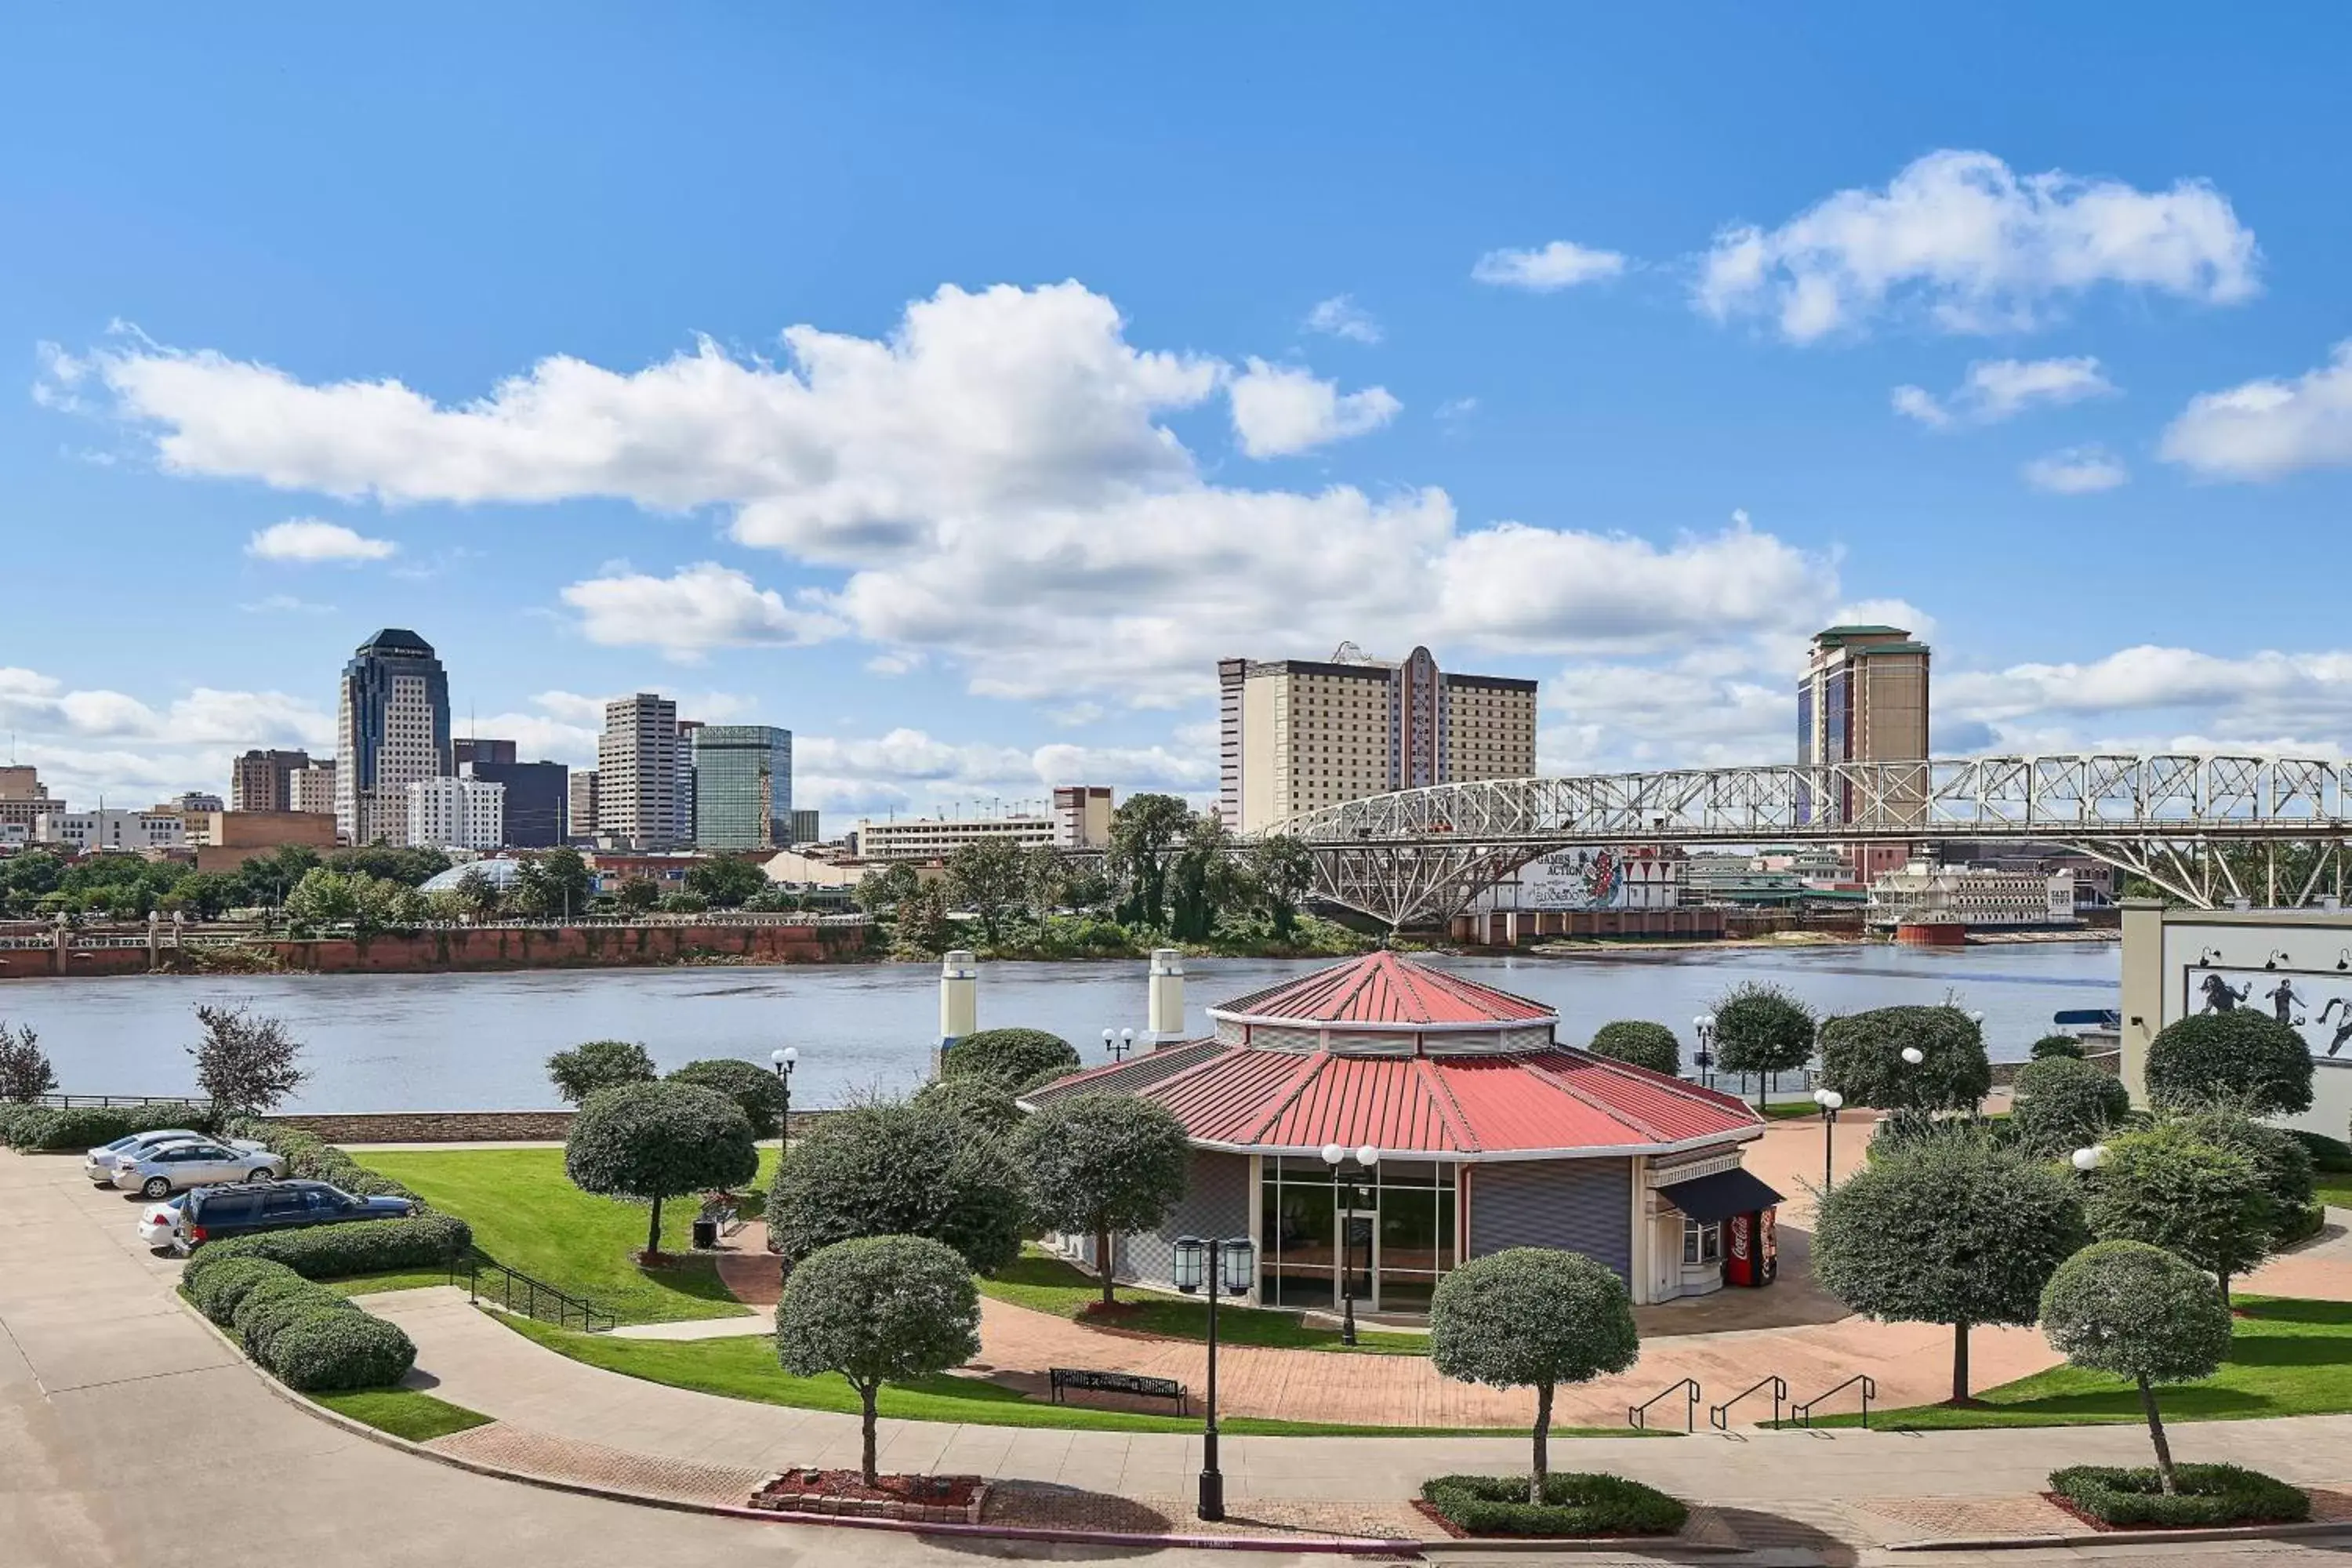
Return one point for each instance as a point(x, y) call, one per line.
point(706, 1235)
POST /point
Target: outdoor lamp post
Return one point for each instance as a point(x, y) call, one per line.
point(1126, 1043)
point(1829, 1100)
point(1222, 1267)
point(1110, 1049)
point(1334, 1156)
point(1704, 1059)
point(785, 1060)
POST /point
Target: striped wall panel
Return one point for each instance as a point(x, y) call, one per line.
point(1582, 1206)
point(1216, 1203)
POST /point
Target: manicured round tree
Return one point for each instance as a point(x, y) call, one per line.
point(1532, 1317)
point(979, 1104)
point(1640, 1042)
point(1102, 1164)
point(881, 1309)
point(1764, 1030)
point(656, 1141)
point(899, 1168)
point(2246, 1058)
point(1011, 1056)
point(600, 1064)
point(1951, 1229)
point(2172, 1188)
point(755, 1088)
point(2138, 1312)
point(2283, 1160)
point(1862, 1058)
point(2063, 1103)
point(2056, 1046)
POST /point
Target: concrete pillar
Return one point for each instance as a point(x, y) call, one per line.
point(958, 1001)
point(1164, 1009)
point(58, 961)
point(155, 941)
point(2142, 1001)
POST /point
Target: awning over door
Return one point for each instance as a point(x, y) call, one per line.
point(1707, 1199)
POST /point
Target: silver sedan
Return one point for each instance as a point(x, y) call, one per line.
point(180, 1165)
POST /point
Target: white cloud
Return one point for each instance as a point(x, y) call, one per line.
point(89, 742)
point(2076, 470)
point(2269, 428)
point(1341, 317)
point(285, 605)
point(1978, 247)
point(1562, 264)
point(1281, 409)
point(1456, 409)
point(308, 538)
point(696, 609)
point(910, 768)
point(1998, 389)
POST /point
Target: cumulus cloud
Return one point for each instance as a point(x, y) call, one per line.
point(1995, 390)
point(1978, 247)
point(696, 609)
point(308, 538)
point(2269, 428)
point(1341, 317)
point(2076, 470)
point(92, 741)
point(1281, 409)
point(1562, 264)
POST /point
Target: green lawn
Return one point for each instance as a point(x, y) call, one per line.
point(2335, 1187)
point(2288, 1358)
point(1047, 1284)
point(403, 1411)
point(745, 1368)
point(527, 1214)
point(397, 1280)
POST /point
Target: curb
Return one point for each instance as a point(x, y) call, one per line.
point(2068, 1539)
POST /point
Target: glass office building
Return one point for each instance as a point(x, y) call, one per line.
point(742, 786)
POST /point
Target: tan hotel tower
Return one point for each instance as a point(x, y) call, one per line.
point(1296, 734)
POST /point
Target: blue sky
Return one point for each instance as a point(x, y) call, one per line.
point(1606, 386)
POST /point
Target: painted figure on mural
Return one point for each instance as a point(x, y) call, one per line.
point(2283, 1001)
point(2344, 1029)
point(2219, 998)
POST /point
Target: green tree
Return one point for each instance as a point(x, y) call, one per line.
point(208, 895)
point(1640, 1042)
point(1146, 832)
point(1009, 1057)
point(1764, 1030)
point(323, 899)
point(2283, 1160)
point(554, 884)
point(1862, 1058)
point(989, 878)
point(1281, 874)
point(1532, 1317)
point(756, 1090)
point(877, 1309)
point(683, 904)
point(2136, 1311)
point(267, 880)
point(478, 894)
point(246, 1062)
point(724, 882)
point(1951, 1229)
point(899, 1168)
point(380, 903)
point(2248, 1059)
point(921, 926)
point(391, 863)
point(2056, 1046)
point(1202, 879)
point(1102, 1165)
point(649, 1142)
point(979, 1105)
point(598, 1064)
point(1047, 875)
point(2063, 1103)
point(2171, 1188)
point(884, 887)
point(25, 1070)
point(636, 895)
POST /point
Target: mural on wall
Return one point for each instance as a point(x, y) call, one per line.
point(1574, 879)
point(2315, 1003)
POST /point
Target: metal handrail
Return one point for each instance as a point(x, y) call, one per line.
point(1638, 1415)
point(102, 1101)
point(1720, 1415)
point(518, 1292)
point(1802, 1415)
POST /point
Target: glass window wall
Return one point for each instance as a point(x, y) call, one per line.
point(1401, 1233)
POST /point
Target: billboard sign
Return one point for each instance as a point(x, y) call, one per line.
point(2315, 1003)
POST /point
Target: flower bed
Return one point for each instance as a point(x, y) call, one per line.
point(1575, 1503)
point(2106, 1496)
point(921, 1499)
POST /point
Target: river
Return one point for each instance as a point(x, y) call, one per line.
point(467, 1042)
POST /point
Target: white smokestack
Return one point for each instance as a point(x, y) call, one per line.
point(1165, 1012)
point(958, 1000)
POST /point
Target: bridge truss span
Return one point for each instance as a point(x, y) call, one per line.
point(1418, 856)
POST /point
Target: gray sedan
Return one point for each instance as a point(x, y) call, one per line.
point(179, 1165)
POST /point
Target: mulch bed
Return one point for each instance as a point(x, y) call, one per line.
point(1445, 1526)
point(933, 1491)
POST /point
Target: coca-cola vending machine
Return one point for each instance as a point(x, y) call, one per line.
point(1751, 1251)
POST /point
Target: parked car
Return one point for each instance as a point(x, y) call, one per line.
point(176, 1165)
point(159, 1223)
point(209, 1214)
point(101, 1164)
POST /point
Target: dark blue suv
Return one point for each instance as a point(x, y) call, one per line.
point(212, 1212)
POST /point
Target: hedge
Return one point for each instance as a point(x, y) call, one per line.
point(312, 1159)
point(304, 1334)
point(43, 1129)
point(1575, 1503)
point(274, 1303)
point(217, 1291)
point(2208, 1495)
point(350, 1348)
point(358, 1247)
point(2326, 1153)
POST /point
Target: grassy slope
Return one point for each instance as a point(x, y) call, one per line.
point(1045, 1284)
point(2288, 1358)
point(403, 1411)
point(527, 1214)
point(2335, 1188)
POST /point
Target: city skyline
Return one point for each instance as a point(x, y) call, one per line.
point(1603, 382)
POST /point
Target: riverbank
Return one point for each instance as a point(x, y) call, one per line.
point(1790, 941)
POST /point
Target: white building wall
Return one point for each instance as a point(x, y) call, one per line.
point(87, 831)
point(455, 814)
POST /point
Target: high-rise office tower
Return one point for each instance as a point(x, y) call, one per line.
point(264, 781)
point(536, 802)
point(684, 832)
point(312, 789)
point(637, 773)
point(742, 786)
point(581, 819)
point(468, 748)
point(392, 729)
point(1297, 734)
point(1863, 698)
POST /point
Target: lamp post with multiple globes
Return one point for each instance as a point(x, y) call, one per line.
point(1223, 1268)
point(1704, 1059)
point(1345, 1192)
point(785, 1060)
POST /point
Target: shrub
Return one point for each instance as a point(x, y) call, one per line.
point(339, 1350)
point(361, 1246)
point(1102, 1164)
point(657, 1141)
point(2173, 1188)
point(2136, 1311)
point(1575, 1503)
point(899, 1168)
point(757, 1090)
point(312, 1159)
point(2063, 1103)
point(2208, 1495)
point(1011, 1056)
point(1862, 1058)
point(600, 1064)
point(2247, 1058)
point(273, 1303)
point(2282, 1162)
point(2049, 1046)
point(21, 1125)
point(86, 1127)
point(216, 1290)
point(974, 1103)
point(2330, 1155)
point(1640, 1042)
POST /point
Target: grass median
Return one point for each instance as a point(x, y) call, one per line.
point(403, 1411)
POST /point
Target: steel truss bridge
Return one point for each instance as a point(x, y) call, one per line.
point(1418, 857)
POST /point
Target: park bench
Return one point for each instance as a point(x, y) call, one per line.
point(1086, 1381)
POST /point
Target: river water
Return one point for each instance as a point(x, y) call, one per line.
point(469, 1042)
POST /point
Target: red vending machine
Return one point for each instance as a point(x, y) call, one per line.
point(1751, 1254)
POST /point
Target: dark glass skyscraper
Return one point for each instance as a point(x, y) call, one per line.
point(742, 786)
point(392, 727)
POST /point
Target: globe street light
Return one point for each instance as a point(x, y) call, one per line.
point(1334, 1155)
point(1223, 1266)
point(1704, 1059)
point(1914, 1056)
point(1829, 1100)
point(784, 1061)
point(1110, 1049)
point(1126, 1043)
point(2089, 1160)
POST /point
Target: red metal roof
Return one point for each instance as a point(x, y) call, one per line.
point(1382, 988)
